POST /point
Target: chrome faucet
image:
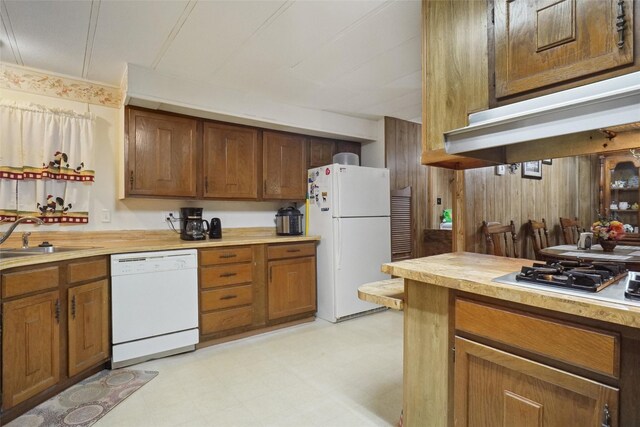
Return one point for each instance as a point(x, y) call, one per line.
point(6, 235)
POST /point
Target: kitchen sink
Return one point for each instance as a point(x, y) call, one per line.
point(39, 250)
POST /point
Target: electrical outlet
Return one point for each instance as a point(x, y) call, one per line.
point(438, 201)
point(169, 216)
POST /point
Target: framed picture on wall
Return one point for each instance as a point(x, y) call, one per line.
point(532, 170)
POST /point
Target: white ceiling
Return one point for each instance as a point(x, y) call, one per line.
point(355, 57)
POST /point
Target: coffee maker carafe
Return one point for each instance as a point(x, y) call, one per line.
point(192, 226)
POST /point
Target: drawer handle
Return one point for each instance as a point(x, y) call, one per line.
point(229, 297)
point(228, 256)
point(228, 274)
point(293, 250)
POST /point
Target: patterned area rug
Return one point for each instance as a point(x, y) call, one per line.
point(85, 403)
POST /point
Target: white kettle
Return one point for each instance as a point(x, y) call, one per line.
point(585, 240)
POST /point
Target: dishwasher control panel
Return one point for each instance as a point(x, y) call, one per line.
point(147, 262)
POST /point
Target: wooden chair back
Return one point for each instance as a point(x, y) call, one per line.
point(539, 236)
point(501, 239)
point(570, 230)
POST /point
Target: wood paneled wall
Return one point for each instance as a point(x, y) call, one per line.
point(568, 188)
point(403, 148)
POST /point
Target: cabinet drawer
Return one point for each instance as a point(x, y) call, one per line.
point(86, 270)
point(225, 319)
point(291, 251)
point(225, 298)
point(226, 255)
point(597, 351)
point(24, 282)
point(222, 275)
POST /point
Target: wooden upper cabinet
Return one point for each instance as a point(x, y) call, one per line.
point(321, 152)
point(544, 42)
point(348, 147)
point(454, 75)
point(162, 155)
point(230, 161)
point(284, 166)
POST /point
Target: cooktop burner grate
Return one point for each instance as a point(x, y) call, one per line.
point(589, 277)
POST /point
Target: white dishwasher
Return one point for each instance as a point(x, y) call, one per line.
point(154, 305)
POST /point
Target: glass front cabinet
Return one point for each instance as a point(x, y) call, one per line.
point(620, 188)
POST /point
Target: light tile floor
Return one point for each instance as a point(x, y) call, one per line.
point(316, 374)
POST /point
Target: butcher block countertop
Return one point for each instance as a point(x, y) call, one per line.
point(111, 242)
point(473, 273)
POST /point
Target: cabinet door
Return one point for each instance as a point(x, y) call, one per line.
point(88, 325)
point(542, 42)
point(230, 161)
point(161, 155)
point(495, 388)
point(30, 347)
point(321, 152)
point(348, 147)
point(292, 287)
point(621, 174)
point(284, 166)
point(454, 75)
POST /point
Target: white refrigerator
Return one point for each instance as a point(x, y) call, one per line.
point(349, 209)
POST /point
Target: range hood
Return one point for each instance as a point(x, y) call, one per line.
point(602, 105)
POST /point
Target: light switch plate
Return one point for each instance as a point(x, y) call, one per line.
point(105, 215)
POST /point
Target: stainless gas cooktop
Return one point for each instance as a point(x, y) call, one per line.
point(616, 292)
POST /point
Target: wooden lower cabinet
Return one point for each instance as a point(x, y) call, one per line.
point(88, 325)
point(229, 294)
point(496, 388)
point(30, 347)
point(291, 287)
point(55, 330)
point(247, 289)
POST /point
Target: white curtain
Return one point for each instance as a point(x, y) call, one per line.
point(46, 158)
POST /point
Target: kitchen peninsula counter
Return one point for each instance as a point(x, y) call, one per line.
point(112, 242)
point(453, 308)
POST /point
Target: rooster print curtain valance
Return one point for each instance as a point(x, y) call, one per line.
point(45, 163)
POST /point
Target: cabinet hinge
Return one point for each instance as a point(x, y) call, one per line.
point(453, 351)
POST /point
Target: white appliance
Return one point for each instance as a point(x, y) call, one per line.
point(154, 305)
point(349, 207)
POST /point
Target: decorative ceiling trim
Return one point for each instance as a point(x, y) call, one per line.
point(43, 83)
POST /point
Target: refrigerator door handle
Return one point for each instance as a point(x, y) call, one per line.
point(338, 242)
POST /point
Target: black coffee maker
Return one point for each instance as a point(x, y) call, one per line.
point(192, 226)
